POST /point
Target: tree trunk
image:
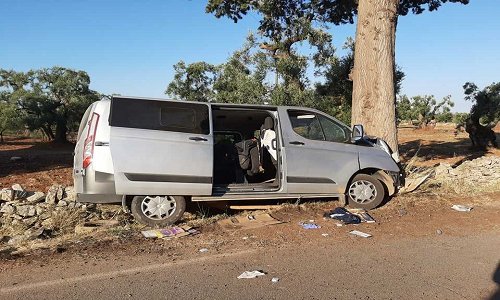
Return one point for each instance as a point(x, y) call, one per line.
point(47, 132)
point(374, 94)
point(61, 130)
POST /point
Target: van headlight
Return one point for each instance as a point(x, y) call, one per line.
point(383, 145)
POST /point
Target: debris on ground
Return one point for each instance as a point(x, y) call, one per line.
point(251, 274)
point(402, 212)
point(459, 207)
point(439, 231)
point(309, 225)
point(275, 279)
point(343, 215)
point(203, 250)
point(248, 222)
point(361, 234)
point(94, 226)
point(170, 232)
point(362, 214)
point(412, 184)
point(325, 234)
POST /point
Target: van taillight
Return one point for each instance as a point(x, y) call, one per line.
point(88, 145)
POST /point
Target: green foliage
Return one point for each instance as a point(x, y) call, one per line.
point(193, 82)
point(50, 97)
point(460, 118)
point(10, 118)
point(424, 108)
point(486, 102)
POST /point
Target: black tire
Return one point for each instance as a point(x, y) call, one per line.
point(141, 217)
point(374, 201)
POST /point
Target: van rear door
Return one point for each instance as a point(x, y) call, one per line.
point(78, 153)
point(161, 147)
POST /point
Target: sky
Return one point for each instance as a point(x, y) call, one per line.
point(129, 47)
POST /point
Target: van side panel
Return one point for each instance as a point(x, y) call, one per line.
point(149, 162)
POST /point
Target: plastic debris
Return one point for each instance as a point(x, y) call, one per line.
point(458, 207)
point(325, 234)
point(338, 225)
point(251, 274)
point(362, 234)
point(362, 214)
point(343, 215)
point(170, 232)
point(309, 225)
point(203, 250)
point(439, 231)
point(245, 238)
point(275, 279)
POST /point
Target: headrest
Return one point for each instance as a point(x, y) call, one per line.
point(268, 123)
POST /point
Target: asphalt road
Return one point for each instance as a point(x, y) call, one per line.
point(436, 267)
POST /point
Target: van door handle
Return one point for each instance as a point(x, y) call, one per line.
point(97, 143)
point(296, 143)
point(198, 139)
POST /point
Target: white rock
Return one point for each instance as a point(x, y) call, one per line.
point(36, 197)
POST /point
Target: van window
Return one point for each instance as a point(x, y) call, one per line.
point(333, 131)
point(160, 115)
point(306, 124)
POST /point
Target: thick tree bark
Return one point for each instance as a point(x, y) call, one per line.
point(61, 130)
point(48, 135)
point(374, 70)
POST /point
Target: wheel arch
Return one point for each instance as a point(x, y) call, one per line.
point(379, 174)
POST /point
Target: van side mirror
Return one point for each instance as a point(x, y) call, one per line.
point(357, 133)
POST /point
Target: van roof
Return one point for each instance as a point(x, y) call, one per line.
point(263, 106)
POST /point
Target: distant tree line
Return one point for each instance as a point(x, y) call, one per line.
point(52, 100)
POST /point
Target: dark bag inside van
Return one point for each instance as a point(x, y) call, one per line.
point(248, 155)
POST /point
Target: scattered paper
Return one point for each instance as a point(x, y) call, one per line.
point(170, 232)
point(251, 274)
point(362, 234)
point(309, 226)
point(458, 207)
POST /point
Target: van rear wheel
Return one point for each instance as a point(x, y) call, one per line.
point(158, 211)
point(365, 192)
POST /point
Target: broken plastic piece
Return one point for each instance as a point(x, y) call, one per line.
point(458, 207)
point(362, 234)
point(251, 274)
point(275, 279)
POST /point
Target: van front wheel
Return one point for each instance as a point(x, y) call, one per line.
point(365, 192)
point(158, 211)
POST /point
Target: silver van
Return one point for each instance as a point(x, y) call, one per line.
point(153, 155)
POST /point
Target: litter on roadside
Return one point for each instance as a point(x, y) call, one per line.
point(362, 234)
point(351, 216)
point(275, 279)
point(309, 225)
point(249, 221)
point(458, 207)
point(343, 215)
point(170, 232)
point(251, 274)
point(203, 250)
point(362, 214)
point(325, 234)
